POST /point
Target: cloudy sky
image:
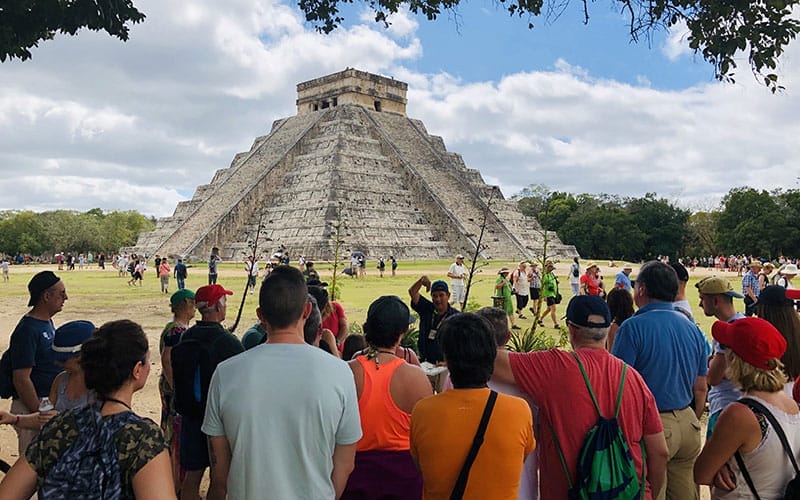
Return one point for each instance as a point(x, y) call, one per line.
point(94, 122)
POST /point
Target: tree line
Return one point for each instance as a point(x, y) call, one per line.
point(46, 233)
point(747, 222)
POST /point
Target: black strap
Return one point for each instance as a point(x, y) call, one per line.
point(753, 404)
point(461, 483)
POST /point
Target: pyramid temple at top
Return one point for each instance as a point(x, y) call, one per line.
point(350, 158)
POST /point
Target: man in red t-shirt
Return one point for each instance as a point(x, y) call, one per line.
point(591, 284)
point(553, 381)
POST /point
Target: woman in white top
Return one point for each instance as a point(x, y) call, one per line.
point(754, 349)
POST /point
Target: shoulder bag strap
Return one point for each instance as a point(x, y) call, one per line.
point(752, 403)
point(461, 483)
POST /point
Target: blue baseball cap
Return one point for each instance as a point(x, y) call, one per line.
point(439, 286)
point(69, 337)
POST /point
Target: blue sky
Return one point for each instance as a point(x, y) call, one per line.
point(93, 122)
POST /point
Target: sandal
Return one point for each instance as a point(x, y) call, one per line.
point(541, 323)
point(515, 327)
point(557, 326)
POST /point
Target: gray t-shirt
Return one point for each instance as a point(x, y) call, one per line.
point(283, 408)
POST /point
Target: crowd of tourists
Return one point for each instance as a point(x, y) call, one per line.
point(300, 408)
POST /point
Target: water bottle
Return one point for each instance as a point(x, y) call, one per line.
point(45, 405)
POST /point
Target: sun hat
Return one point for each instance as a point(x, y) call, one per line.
point(789, 269)
point(459, 256)
point(439, 286)
point(582, 308)
point(714, 285)
point(590, 265)
point(503, 270)
point(756, 263)
point(69, 337)
point(754, 340)
point(389, 314)
point(40, 282)
point(776, 295)
point(179, 296)
point(207, 296)
point(627, 266)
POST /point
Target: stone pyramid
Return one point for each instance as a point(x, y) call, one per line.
point(349, 158)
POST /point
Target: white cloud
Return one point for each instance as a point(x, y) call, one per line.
point(677, 42)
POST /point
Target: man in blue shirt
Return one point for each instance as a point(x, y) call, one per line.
point(669, 351)
point(623, 279)
point(751, 288)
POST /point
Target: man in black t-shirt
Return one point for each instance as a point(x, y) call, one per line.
point(431, 314)
point(30, 352)
point(211, 302)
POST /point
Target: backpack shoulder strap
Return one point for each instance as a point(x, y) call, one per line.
point(589, 385)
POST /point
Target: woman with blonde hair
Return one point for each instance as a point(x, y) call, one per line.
point(745, 456)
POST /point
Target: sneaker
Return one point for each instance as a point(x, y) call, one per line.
point(556, 326)
point(541, 323)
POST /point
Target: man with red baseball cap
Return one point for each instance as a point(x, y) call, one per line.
point(206, 340)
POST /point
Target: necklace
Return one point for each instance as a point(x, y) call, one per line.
point(112, 400)
point(373, 355)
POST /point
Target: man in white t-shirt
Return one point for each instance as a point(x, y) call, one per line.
point(520, 287)
point(293, 439)
point(456, 273)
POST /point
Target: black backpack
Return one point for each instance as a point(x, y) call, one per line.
point(192, 368)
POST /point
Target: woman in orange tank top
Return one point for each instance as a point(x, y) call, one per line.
point(387, 388)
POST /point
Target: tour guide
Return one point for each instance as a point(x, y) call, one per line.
point(431, 314)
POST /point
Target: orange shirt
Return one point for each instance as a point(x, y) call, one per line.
point(442, 430)
point(383, 424)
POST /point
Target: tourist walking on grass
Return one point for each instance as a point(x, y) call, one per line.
point(575, 276)
point(521, 288)
point(387, 389)
point(502, 288)
point(4, 267)
point(213, 260)
point(63, 460)
point(456, 273)
point(163, 274)
point(550, 293)
point(251, 268)
point(180, 273)
point(535, 291)
point(744, 457)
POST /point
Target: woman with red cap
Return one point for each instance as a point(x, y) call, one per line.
point(745, 457)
